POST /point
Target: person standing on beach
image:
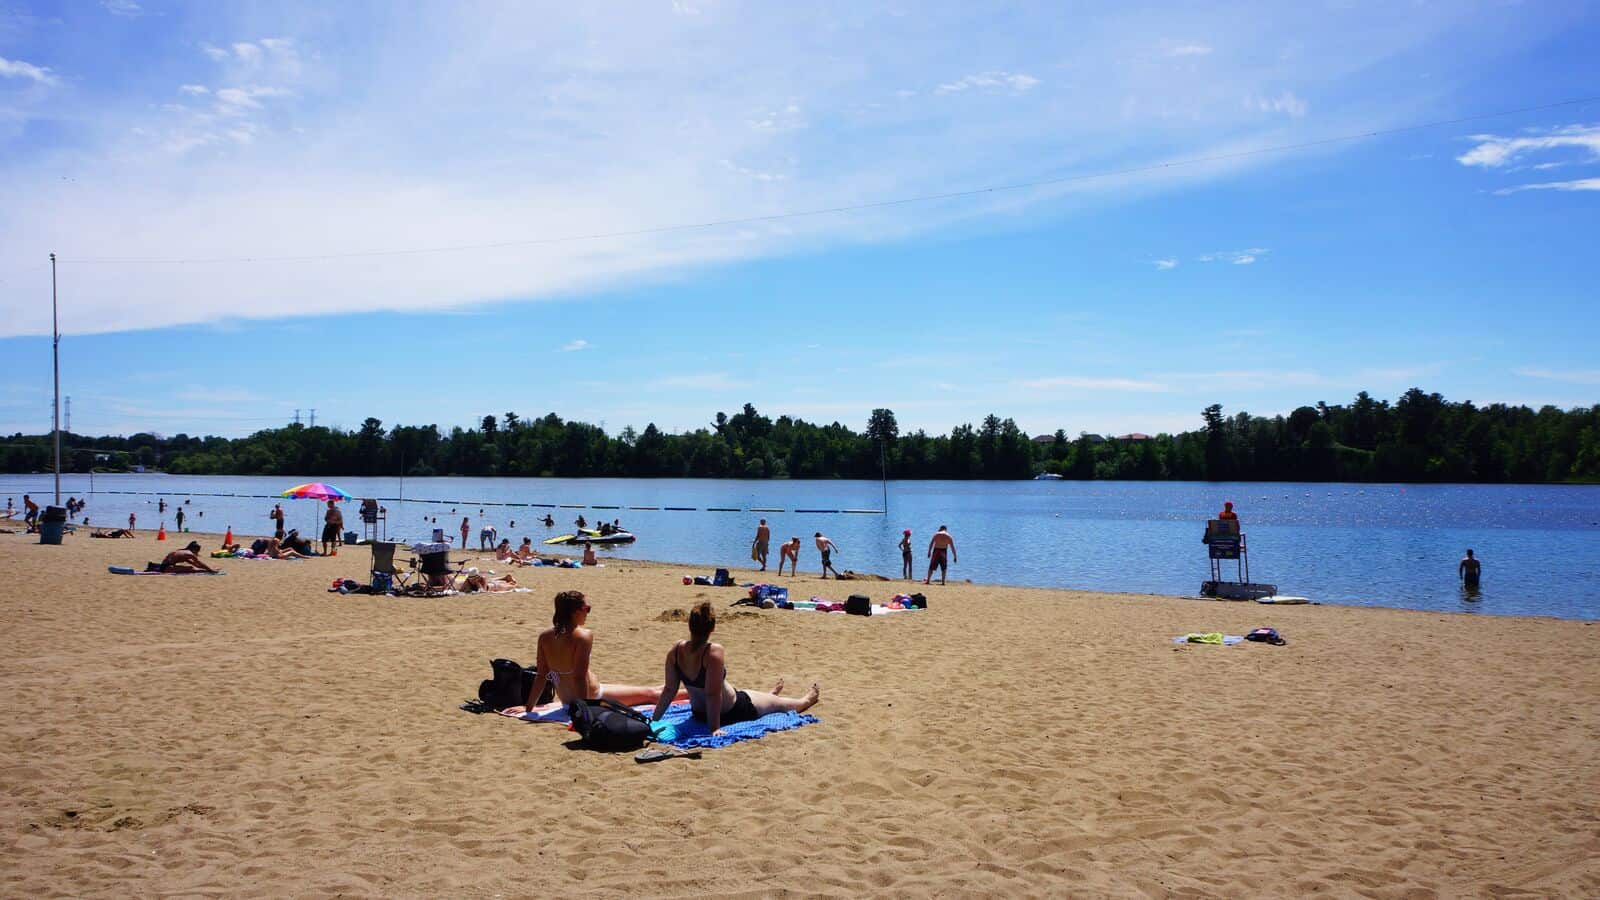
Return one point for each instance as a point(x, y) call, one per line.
point(763, 540)
point(1469, 571)
point(180, 518)
point(905, 556)
point(939, 547)
point(827, 548)
point(30, 509)
point(277, 520)
point(465, 530)
point(332, 523)
point(790, 551)
point(130, 521)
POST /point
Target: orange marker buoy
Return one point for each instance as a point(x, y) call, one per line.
point(227, 539)
point(161, 533)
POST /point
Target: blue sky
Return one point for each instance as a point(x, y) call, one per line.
point(174, 154)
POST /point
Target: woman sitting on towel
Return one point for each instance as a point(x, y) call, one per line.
point(563, 655)
point(702, 667)
point(276, 550)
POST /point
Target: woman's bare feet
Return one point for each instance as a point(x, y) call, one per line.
point(777, 689)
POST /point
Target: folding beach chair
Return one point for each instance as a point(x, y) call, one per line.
point(383, 563)
point(431, 574)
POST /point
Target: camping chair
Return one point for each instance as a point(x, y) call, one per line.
point(431, 574)
point(383, 562)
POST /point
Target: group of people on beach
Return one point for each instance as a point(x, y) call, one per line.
point(941, 552)
point(695, 669)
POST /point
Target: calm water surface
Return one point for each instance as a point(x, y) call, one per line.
point(1373, 545)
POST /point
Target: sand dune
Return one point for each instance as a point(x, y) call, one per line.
point(254, 734)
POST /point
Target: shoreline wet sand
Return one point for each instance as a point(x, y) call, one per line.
point(255, 734)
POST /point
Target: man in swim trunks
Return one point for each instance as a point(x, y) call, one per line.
point(277, 520)
point(1469, 570)
point(827, 548)
point(763, 539)
point(30, 509)
point(332, 521)
point(942, 545)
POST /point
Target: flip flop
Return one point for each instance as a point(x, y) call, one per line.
point(659, 753)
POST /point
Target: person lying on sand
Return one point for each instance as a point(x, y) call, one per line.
point(185, 561)
point(276, 550)
point(714, 700)
point(113, 533)
point(498, 585)
point(563, 656)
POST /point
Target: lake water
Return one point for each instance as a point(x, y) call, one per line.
point(1376, 545)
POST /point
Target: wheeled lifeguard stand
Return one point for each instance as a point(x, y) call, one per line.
point(374, 521)
point(1224, 541)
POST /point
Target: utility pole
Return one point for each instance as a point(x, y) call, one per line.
point(313, 419)
point(55, 359)
point(297, 417)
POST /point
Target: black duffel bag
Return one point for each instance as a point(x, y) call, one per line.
point(608, 725)
point(858, 605)
point(511, 684)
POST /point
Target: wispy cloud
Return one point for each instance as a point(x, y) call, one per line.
point(1189, 50)
point(1577, 184)
point(1166, 264)
point(125, 8)
point(16, 68)
point(194, 90)
point(1013, 82)
point(1092, 383)
point(1286, 103)
point(574, 346)
point(1575, 376)
point(1234, 257)
point(1496, 151)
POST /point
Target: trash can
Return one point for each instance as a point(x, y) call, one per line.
point(51, 524)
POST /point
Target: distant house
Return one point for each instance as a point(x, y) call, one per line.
point(1044, 439)
point(1134, 436)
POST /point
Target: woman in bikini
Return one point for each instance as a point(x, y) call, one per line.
point(701, 666)
point(563, 655)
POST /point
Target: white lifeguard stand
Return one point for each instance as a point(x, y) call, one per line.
point(1224, 542)
point(374, 521)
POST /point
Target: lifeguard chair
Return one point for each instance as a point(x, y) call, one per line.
point(1224, 542)
point(374, 521)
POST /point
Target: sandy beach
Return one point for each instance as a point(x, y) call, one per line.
point(254, 734)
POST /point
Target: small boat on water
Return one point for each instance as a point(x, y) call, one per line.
point(1047, 476)
point(591, 537)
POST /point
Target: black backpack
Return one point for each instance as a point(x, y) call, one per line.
point(608, 725)
point(919, 602)
point(510, 685)
point(858, 605)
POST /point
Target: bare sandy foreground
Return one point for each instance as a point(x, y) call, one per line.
point(254, 734)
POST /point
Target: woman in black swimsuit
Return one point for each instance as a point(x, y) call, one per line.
point(701, 666)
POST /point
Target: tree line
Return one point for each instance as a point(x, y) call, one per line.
point(1420, 437)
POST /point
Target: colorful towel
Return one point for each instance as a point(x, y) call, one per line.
point(1210, 637)
point(124, 570)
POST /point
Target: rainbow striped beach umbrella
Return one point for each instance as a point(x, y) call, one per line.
point(316, 490)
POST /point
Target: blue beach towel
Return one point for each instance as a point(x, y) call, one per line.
point(680, 730)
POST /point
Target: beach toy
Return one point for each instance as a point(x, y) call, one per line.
point(688, 580)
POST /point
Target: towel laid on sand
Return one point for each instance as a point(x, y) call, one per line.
point(679, 728)
point(124, 570)
point(1210, 637)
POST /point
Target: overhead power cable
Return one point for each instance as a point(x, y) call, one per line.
point(1035, 182)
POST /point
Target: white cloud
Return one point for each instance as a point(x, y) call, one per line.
point(1577, 184)
point(1092, 383)
point(1190, 50)
point(1014, 82)
point(126, 8)
point(572, 346)
point(193, 90)
point(1234, 257)
point(16, 68)
point(1286, 103)
point(235, 100)
point(247, 52)
point(1166, 264)
point(1495, 151)
point(1575, 376)
point(216, 53)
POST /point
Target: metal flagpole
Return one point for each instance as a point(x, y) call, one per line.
point(55, 356)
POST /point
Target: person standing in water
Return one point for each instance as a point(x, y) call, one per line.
point(827, 548)
point(905, 556)
point(762, 542)
point(1469, 571)
point(465, 530)
point(789, 550)
point(941, 553)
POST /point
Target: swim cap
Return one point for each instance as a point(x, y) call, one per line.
point(908, 531)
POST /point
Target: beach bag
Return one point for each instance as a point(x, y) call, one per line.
point(919, 602)
point(608, 725)
point(858, 605)
point(510, 685)
point(721, 578)
point(1266, 636)
point(382, 582)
